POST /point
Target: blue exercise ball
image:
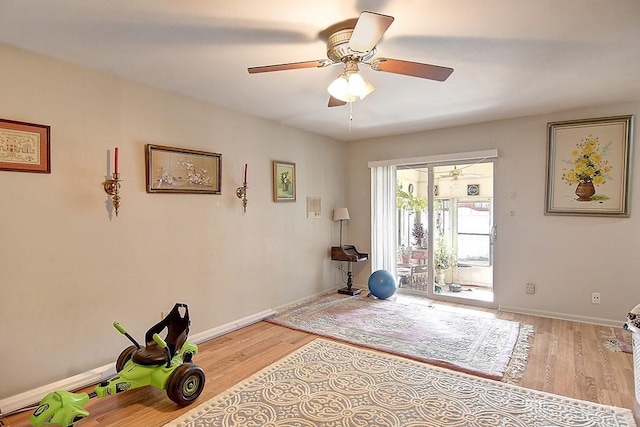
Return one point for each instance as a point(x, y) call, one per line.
point(382, 284)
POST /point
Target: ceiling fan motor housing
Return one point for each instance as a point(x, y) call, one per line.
point(338, 45)
point(338, 48)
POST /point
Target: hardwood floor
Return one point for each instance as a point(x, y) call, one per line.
point(566, 358)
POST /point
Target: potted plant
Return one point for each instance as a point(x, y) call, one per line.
point(444, 259)
point(405, 254)
point(418, 233)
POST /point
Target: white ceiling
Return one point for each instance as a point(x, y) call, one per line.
point(511, 57)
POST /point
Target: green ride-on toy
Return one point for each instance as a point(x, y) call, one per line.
point(162, 363)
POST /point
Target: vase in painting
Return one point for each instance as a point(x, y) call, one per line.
point(584, 191)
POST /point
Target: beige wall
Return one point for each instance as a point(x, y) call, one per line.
point(67, 271)
point(567, 258)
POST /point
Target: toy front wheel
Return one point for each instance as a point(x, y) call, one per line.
point(185, 384)
point(125, 356)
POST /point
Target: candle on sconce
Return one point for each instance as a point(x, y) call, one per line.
point(115, 163)
point(241, 192)
point(112, 186)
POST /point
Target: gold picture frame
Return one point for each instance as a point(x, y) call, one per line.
point(284, 181)
point(588, 167)
point(24, 147)
point(181, 170)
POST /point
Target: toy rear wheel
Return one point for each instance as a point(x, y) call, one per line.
point(185, 384)
point(125, 356)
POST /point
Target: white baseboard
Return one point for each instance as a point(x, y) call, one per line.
point(564, 316)
point(307, 298)
point(209, 334)
point(32, 397)
point(94, 376)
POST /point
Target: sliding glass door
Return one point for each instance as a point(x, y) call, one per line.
point(443, 231)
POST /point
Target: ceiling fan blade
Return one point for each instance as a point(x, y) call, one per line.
point(415, 69)
point(368, 31)
point(320, 63)
point(335, 102)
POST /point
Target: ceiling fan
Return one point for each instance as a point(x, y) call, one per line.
point(353, 42)
point(456, 174)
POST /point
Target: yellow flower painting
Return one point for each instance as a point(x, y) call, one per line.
point(588, 166)
point(588, 163)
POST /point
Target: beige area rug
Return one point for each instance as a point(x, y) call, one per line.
point(469, 341)
point(331, 384)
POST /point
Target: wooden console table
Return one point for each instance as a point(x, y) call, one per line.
point(348, 253)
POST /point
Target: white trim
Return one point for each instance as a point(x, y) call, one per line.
point(94, 376)
point(299, 301)
point(563, 316)
point(230, 327)
point(435, 158)
point(32, 397)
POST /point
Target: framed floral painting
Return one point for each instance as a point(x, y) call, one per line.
point(588, 167)
point(284, 181)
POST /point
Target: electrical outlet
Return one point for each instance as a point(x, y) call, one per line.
point(531, 288)
point(595, 298)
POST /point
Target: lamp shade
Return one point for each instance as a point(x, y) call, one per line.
point(339, 89)
point(350, 85)
point(340, 213)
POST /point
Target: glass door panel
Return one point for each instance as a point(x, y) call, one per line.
point(462, 222)
point(413, 227)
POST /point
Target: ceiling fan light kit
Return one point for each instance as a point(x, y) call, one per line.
point(352, 42)
point(350, 85)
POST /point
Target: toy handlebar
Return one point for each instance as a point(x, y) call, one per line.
point(158, 339)
point(123, 331)
point(163, 345)
point(119, 327)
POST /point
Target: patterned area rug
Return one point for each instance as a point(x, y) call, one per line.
point(330, 384)
point(618, 340)
point(465, 340)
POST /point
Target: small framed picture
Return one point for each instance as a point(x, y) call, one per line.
point(314, 207)
point(284, 181)
point(473, 190)
point(24, 147)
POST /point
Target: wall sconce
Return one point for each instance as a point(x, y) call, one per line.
point(241, 192)
point(112, 186)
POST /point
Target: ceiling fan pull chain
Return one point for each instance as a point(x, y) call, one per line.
point(350, 115)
